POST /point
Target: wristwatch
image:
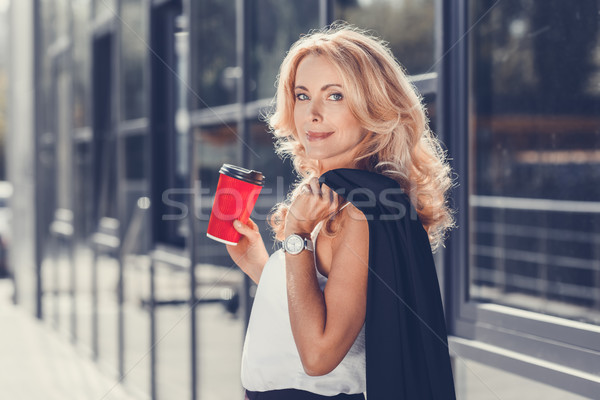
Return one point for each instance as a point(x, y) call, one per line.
point(294, 244)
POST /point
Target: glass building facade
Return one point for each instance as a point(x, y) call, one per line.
point(139, 102)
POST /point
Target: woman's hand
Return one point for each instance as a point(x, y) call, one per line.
point(312, 205)
point(250, 254)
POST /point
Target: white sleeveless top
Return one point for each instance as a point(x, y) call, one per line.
point(270, 359)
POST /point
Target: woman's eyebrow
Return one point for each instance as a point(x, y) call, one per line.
point(322, 89)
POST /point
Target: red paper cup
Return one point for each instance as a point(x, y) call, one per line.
point(237, 191)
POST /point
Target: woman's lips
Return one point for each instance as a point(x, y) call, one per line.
point(315, 136)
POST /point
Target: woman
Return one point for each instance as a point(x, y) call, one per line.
point(359, 309)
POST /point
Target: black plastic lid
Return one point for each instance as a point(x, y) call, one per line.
point(243, 174)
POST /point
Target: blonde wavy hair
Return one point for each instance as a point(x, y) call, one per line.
point(399, 143)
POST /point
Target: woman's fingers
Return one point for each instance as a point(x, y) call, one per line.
point(323, 191)
point(241, 228)
point(328, 194)
point(248, 229)
point(305, 189)
point(252, 225)
point(314, 202)
point(331, 196)
point(314, 186)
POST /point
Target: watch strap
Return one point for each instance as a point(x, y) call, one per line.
point(308, 244)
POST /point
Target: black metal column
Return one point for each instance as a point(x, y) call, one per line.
point(453, 108)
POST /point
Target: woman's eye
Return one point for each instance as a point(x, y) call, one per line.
point(301, 96)
point(336, 96)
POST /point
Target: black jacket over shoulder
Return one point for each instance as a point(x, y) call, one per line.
point(407, 354)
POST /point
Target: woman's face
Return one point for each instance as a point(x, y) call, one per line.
point(325, 125)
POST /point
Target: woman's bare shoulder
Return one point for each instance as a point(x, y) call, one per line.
point(354, 229)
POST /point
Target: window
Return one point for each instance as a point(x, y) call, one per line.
point(105, 173)
point(61, 17)
point(525, 142)
point(136, 150)
point(170, 130)
point(217, 145)
point(275, 26)
point(64, 150)
point(214, 65)
point(535, 143)
point(81, 64)
point(133, 51)
point(104, 8)
point(83, 187)
point(407, 25)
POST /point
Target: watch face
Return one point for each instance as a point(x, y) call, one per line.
point(294, 244)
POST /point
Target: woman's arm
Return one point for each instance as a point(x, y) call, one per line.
point(326, 324)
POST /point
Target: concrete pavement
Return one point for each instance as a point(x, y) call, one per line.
point(36, 363)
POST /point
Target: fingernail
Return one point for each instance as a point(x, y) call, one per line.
point(237, 224)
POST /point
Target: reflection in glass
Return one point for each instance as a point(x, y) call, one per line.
point(105, 179)
point(83, 188)
point(171, 130)
point(61, 14)
point(180, 167)
point(135, 149)
point(48, 19)
point(535, 164)
point(105, 8)
point(407, 25)
point(81, 63)
point(134, 26)
point(48, 35)
point(181, 104)
point(214, 67)
point(275, 26)
point(64, 149)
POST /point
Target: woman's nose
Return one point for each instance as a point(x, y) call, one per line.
point(315, 111)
